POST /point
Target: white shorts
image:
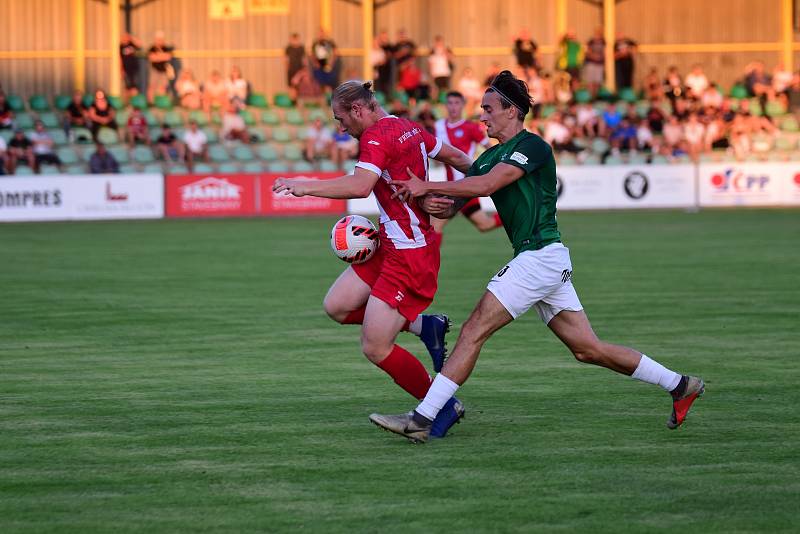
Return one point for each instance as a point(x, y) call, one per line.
point(539, 278)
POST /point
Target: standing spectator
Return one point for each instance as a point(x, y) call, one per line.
point(188, 89)
point(525, 50)
point(594, 64)
point(624, 48)
point(128, 47)
point(673, 85)
point(378, 58)
point(410, 81)
point(318, 141)
point(102, 161)
point(326, 63)
point(570, 57)
point(168, 145)
point(137, 129)
point(696, 83)
point(652, 86)
point(20, 149)
point(101, 114)
point(76, 114)
point(233, 126)
point(43, 144)
point(236, 87)
point(386, 69)
point(294, 54)
point(6, 114)
point(162, 72)
point(470, 86)
point(215, 95)
point(440, 65)
point(196, 143)
point(306, 87)
point(343, 147)
point(404, 49)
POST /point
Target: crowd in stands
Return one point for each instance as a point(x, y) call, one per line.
point(669, 116)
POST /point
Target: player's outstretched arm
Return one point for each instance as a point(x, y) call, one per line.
point(500, 176)
point(452, 156)
point(356, 185)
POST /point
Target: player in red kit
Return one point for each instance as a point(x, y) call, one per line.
point(466, 136)
point(387, 294)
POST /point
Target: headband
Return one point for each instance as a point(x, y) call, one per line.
point(506, 98)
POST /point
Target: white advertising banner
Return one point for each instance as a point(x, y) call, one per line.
point(747, 184)
point(82, 197)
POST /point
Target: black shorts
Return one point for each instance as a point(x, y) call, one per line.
point(50, 159)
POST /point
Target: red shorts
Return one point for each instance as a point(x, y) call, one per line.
point(405, 279)
point(471, 207)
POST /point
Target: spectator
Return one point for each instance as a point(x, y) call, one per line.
point(76, 114)
point(794, 94)
point(236, 87)
point(102, 161)
point(562, 88)
point(624, 48)
point(558, 135)
point(652, 86)
point(410, 81)
point(343, 148)
point(20, 149)
point(440, 65)
point(715, 136)
point(781, 82)
point(538, 91)
point(681, 109)
point(712, 97)
point(43, 151)
point(294, 54)
point(758, 82)
point(694, 132)
point(137, 129)
point(196, 143)
point(101, 114)
point(570, 57)
point(696, 83)
point(128, 47)
point(645, 140)
point(404, 49)
point(318, 141)
point(215, 94)
point(168, 145)
point(383, 61)
point(740, 137)
point(469, 86)
point(306, 87)
point(188, 89)
point(673, 85)
point(623, 137)
point(525, 50)
point(326, 64)
point(587, 120)
point(611, 118)
point(673, 137)
point(6, 114)
point(233, 126)
point(594, 62)
point(162, 72)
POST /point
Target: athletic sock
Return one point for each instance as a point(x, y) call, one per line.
point(355, 316)
point(497, 220)
point(439, 393)
point(652, 372)
point(415, 326)
point(680, 389)
point(406, 371)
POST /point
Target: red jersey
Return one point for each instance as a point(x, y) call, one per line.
point(463, 135)
point(387, 148)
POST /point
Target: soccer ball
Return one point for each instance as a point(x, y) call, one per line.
point(354, 239)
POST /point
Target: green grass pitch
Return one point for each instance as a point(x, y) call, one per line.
point(181, 376)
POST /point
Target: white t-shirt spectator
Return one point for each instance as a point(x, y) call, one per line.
point(236, 89)
point(195, 141)
point(232, 122)
point(322, 138)
point(712, 98)
point(439, 64)
point(673, 133)
point(781, 80)
point(42, 142)
point(585, 115)
point(694, 132)
point(697, 83)
point(555, 132)
point(644, 135)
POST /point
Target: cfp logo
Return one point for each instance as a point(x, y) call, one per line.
point(636, 185)
point(736, 181)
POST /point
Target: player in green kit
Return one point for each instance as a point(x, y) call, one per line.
point(520, 176)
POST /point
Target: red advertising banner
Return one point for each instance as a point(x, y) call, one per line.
point(283, 204)
point(211, 195)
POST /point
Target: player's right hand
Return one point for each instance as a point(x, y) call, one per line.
point(294, 187)
point(413, 187)
point(437, 206)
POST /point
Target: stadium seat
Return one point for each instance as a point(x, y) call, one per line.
point(293, 152)
point(81, 135)
point(350, 166)
point(154, 133)
point(142, 154)
point(582, 96)
point(6, 135)
point(282, 100)
point(88, 100)
point(243, 153)
point(784, 143)
point(775, 107)
point(790, 124)
point(302, 166)
point(24, 121)
point(266, 152)
point(739, 92)
point(139, 102)
point(150, 118)
point(627, 94)
point(327, 165)
point(128, 169)
point(638, 158)
point(49, 170)
point(248, 117)
point(281, 135)
point(604, 94)
point(565, 158)
point(162, 102)
point(38, 103)
point(156, 168)
point(599, 145)
point(259, 134)
point(49, 119)
point(24, 170)
point(199, 117)
point(173, 118)
point(177, 168)
point(755, 107)
point(270, 118)
point(62, 102)
point(120, 153)
point(548, 110)
point(15, 103)
point(257, 100)
point(211, 135)
point(613, 160)
point(592, 159)
point(218, 154)
point(116, 102)
point(107, 136)
point(380, 98)
point(228, 167)
point(294, 117)
point(658, 159)
point(59, 137)
point(253, 166)
point(67, 155)
point(277, 166)
point(203, 168)
point(78, 169)
point(642, 107)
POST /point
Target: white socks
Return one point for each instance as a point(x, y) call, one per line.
point(415, 326)
point(439, 393)
point(653, 372)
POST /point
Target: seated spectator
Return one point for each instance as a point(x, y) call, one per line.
point(233, 126)
point(196, 143)
point(236, 86)
point(652, 86)
point(781, 82)
point(43, 148)
point(655, 118)
point(343, 148)
point(562, 88)
point(696, 83)
point(540, 91)
point(740, 137)
point(611, 118)
point(587, 120)
point(673, 137)
point(102, 161)
point(3, 155)
point(470, 86)
point(188, 90)
point(101, 114)
point(558, 135)
point(215, 95)
point(645, 140)
point(673, 84)
point(6, 114)
point(623, 137)
point(681, 109)
point(758, 82)
point(76, 114)
point(305, 86)
point(694, 132)
point(712, 97)
point(168, 145)
point(137, 129)
point(20, 150)
point(715, 136)
point(318, 141)
point(410, 81)
point(325, 61)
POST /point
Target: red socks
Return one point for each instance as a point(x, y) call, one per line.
point(407, 372)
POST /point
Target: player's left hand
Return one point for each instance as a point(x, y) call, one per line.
point(413, 187)
point(437, 206)
point(291, 186)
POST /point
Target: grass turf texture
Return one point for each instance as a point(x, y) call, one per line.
point(181, 376)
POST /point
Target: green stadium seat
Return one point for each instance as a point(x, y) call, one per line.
point(281, 135)
point(257, 100)
point(107, 136)
point(349, 166)
point(739, 92)
point(59, 137)
point(622, 107)
point(199, 117)
point(162, 101)
point(116, 102)
point(282, 100)
point(47, 169)
point(270, 118)
point(24, 121)
point(320, 114)
point(122, 116)
point(243, 153)
point(67, 155)
point(302, 166)
point(15, 103)
point(658, 159)
point(565, 158)
point(259, 134)
point(218, 154)
point(599, 145)
point(327, 165)
point(211, 135)
point(627, 94)
point(38, 103)
point(592, 159)
point(790, 124)
point(293, 152)
point(294, 117)
point(203, 168)
point(88, 100)
point(81, 135)
point(380, 97)
point(24, 170)
point(142, 154)
point(277, 166)
point(548, 110)
point(582, 96)
point(154, 133)
point(216, 118)
point(604, 94)
point(266, 152)
point(155, 168)
point(150, 118)
point(6, 135)
point(62, 102)
point(120, 153)
point(253, 166)
point(177, 168)
point(128, 169)
point(228, 167)
point(76, 169)
point(139, 102)
point(248, 117)
point(639, 158)
point(613, 160)
point(49, 119)
point(755, 107)
point(173, 118)
point(642, 107)
point(775, 108)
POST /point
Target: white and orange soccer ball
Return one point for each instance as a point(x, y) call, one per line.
point(354, 239)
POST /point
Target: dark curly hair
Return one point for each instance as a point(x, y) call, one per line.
point(512, 92)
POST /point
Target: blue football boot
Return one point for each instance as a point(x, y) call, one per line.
point(451, 413)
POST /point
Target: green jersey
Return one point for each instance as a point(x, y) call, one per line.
point(527, 206)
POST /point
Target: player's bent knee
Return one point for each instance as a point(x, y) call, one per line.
point(591, 354)
point(334, 310)
point(375, 352)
